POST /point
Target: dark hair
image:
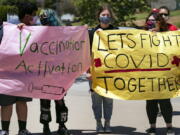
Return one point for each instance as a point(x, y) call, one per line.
point(25, 8)
point(166, 8)
point(156, 16)
point(102, 8)
point(162, 24)
point(1, 22)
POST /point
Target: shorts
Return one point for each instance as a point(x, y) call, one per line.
point(6, 100)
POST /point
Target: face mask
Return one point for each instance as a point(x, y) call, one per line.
point(151, 24)
point(105, 19)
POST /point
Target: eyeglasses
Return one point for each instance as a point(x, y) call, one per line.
point(165, 14)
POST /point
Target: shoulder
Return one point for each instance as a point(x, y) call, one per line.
point(93, 29)
point(172, 27)
point(113, 27)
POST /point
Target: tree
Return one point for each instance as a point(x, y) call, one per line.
point(9, 6)
point(68, 7)
point(13, 2)
point(61, 6)
point(4, 10)
point(123, 10)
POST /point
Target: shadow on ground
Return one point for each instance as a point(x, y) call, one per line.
point(119, 130)
point(116, 131)
point(53, 133)
point(162, 131)
point(176, 112)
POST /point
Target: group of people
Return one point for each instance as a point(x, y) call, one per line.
point(156, 21)
point(48, 17)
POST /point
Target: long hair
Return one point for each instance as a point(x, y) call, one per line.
point(159, 19)
point(102, 8)
point(49, 17)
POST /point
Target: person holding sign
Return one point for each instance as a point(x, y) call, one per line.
point(26, 13)
point(48, 17)
point(165, 12)
point(104, 17)
point(156, 23)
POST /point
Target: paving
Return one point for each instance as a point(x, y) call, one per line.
point(129, 117)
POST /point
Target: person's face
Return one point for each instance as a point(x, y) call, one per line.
point(164, 14)
point(44, 19)
point(151, 20)
point(152, 24)
point(105, 13)
point(29, 19)
point(105, 18)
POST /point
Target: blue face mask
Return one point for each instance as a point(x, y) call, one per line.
point(105, 19)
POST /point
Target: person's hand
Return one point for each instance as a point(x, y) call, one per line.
point(98, 30)
point(154, 30)
point(86, 26)
point(88, 76)
point(20, 25)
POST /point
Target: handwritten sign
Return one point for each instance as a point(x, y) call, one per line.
point(42, 61)
point(136, 64)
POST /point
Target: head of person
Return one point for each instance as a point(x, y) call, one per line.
point(155, 21)
point(164, 12)
point(49, 17)
point(104, 16)
point(27, 12)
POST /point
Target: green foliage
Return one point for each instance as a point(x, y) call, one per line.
point(49, 4)
point(175, 13)
point(177, 24)
point(61, 6)
point(13, 2)
point(9, 6)
point(87, 10)
point(141, 15)
point(68, 7)
point(6, 9)
point(123, 10)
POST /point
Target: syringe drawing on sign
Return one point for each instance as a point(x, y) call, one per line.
point(47, 89)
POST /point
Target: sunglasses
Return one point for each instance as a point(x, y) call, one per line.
point(164, 14)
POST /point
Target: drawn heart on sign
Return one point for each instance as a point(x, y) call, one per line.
point(176, 61)
point(97, 62)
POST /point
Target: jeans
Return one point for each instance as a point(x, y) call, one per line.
point(99, 102)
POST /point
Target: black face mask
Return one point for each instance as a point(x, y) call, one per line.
point(44, 21)
point(105, 19)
